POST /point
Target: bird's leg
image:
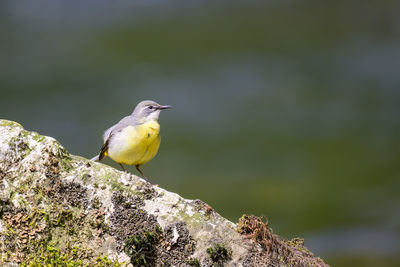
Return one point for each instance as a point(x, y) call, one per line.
point(137, 168)
point(144, 177)
point(122, 167)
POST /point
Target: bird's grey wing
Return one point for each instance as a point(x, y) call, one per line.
point(106, 140)
point(126, 121)
point(129, 120)
point(107, 133)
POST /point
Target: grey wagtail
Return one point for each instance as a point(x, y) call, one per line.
point(135, 139)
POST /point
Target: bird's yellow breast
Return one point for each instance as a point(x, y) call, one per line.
point(135, 145)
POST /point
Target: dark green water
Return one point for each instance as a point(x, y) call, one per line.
point(284, 109)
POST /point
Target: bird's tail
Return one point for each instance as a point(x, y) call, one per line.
point(95, 158)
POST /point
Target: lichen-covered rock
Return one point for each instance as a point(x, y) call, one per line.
point(64, 210)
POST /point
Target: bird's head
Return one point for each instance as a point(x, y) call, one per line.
point(148, 110)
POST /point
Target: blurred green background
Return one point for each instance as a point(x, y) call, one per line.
point(288, 109)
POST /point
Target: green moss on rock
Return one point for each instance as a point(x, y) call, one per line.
point(10, 123)
point(219, 254)
point(142, 247)
point(193, 262)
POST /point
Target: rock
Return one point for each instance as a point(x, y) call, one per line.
point(60, 209)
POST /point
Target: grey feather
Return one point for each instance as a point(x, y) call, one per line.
point(126, 121)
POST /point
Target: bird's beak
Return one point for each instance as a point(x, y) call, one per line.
point(164, 107)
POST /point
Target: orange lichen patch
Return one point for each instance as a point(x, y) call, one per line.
point(277, 250)
point(254, 228)
point(22, 229)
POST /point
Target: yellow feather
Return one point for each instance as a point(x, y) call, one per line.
point(136, 145)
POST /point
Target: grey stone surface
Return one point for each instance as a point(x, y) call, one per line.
point(65, 209)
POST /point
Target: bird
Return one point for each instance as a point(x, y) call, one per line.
point(135, 139)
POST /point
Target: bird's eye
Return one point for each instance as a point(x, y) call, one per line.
point(150, 107)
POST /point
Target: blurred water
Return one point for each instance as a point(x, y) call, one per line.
point(288, 109)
